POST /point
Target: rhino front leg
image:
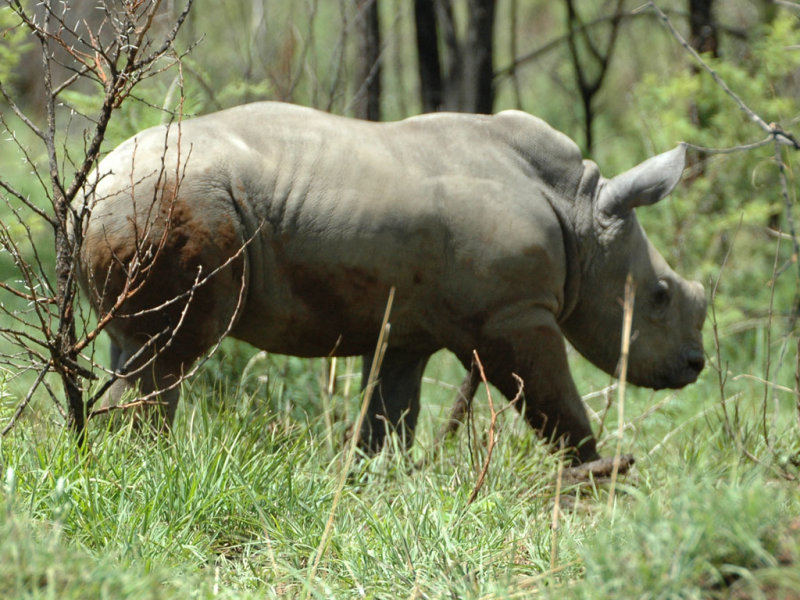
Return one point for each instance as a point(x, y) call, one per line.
point(535, 350)
point(395, 399)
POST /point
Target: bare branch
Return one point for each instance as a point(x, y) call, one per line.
point(518, 61)
point(586, 87)
point(34, 168)
point(740, 148)
point(551, 45)
point(24, 404)
point(778, 134)
point(20, 115)
point(169, 40)
point(117, 64)
point(492, 425)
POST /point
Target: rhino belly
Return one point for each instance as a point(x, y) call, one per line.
point(310, 306)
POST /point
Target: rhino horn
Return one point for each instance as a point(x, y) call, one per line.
point(644, 184)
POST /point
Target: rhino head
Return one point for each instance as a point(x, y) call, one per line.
point(666, 348)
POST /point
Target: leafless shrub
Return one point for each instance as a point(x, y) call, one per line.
point(47, 330)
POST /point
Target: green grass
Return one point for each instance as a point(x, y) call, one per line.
point(235, 502)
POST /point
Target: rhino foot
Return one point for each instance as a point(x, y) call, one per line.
point(601, 468)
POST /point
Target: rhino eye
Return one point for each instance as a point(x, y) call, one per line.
point(661, 295)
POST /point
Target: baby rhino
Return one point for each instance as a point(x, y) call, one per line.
point(286, 227)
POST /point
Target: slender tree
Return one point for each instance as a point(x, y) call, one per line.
point(590, 60)
point(702, 38)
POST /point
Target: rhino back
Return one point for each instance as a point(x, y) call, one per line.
point(452, 210)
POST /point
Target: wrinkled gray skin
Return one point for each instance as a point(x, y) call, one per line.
point(496, 234)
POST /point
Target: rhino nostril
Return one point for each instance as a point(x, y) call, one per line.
point(696, 360)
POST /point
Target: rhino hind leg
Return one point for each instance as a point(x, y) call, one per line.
point(462, 402)
point(395, 400)
point(152, 352)
point(186, 294)
point(154, 379)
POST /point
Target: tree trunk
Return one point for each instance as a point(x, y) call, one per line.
point(702, 27)
point(430, 69)
point(703, 38)
point(590, 63)
point(478, 73)
point(65, 358)
point(460, 77)
point(62, 345)
point(368, 66)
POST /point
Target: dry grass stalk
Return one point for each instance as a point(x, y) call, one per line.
point(329, 382)
point(380, 351)
point(627, 319)
point(556, 513)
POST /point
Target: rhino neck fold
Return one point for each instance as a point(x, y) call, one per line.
point(572, 278)
point(575, 216)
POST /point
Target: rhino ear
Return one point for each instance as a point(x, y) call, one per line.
point(644, 184)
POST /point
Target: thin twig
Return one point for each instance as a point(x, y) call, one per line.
point(769, 384)
point(21, 115)
point(23, 405)
point(768, 333)
point(797, 382)
point(631, 424)
point(722, 371)
point(609, 401)
point(172, 334)
point(492, 424)
point(732, 149)
point(788, 204)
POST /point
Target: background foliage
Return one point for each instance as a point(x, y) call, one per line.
point(234, 504)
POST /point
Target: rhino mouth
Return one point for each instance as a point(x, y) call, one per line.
point(685, 371)
point(677, 374)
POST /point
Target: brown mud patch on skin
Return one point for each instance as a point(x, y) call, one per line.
point(179, 252)
point(196, 244)
point(330, 308)
point(342, 307)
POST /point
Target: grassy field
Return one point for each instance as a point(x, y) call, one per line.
point(235, 503)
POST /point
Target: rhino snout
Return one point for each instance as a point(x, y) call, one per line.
point(694, 356)
point(683, 369)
